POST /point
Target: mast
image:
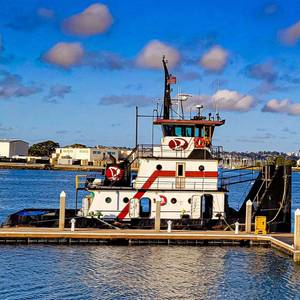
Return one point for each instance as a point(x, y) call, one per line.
point(167, 94)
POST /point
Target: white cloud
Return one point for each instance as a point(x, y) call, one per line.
point(224, 100)
point(275, 105)
point(282, 106)
point(232, 100)
point(290, 35)
point(215, 59)
point(152, 53)
point(65, 54)
point(93, 20)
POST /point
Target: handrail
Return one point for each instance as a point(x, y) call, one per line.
point(78, 180)
point(266, 189)
point(158, 150)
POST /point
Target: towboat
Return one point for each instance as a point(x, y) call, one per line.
point(182, 174)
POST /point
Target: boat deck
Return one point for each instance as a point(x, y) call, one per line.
point(28, 235)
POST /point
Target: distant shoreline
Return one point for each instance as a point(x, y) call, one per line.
point(26, 166)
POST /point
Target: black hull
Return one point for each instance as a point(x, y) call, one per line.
point(33, 217)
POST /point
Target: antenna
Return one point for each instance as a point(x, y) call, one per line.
point(167, 92)
point(199, 106)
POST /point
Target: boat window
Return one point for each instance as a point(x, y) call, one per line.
point(173, 200)
point(188, 131)
point(145, 207)
point(198, 132)
point(180, 169)
point(203, 132)
point(168, 130)
point(178, 131)
point(126, 200)
point(206, 131)
point(108, 200)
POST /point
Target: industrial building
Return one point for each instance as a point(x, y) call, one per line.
point(10, 148)
point(83, 156)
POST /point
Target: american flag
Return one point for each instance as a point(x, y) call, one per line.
point(171, 80)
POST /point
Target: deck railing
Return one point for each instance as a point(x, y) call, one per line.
point(149, 150)
point(85, 182)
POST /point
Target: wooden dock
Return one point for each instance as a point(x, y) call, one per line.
point(282, 242)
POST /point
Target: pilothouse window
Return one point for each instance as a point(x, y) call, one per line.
point(178, 131)
point(188, 131)
point(168, 130)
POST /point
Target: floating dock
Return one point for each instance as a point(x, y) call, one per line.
point(282, 242)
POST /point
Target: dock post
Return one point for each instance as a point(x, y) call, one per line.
point(297, 236)
point(62, 209)
point(157, 215)
point(236, 229)
point(248, 218)
point(73, 221)
point(169, 226)
point(297, 230)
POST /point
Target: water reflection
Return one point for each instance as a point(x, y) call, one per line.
point(146, 272)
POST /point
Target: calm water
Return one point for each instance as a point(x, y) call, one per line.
point(137, 272)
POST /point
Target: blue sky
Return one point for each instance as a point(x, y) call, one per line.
point(73, 71)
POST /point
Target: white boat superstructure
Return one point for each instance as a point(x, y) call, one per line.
point(181, 173)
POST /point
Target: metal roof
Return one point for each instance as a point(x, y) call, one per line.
point(11, 140)
point(188, 122)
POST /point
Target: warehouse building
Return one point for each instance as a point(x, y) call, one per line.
point(83, 156)
point(10, 148)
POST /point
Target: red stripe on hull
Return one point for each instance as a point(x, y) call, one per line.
point(157, 174)
point(208, 174)
point(140, 194)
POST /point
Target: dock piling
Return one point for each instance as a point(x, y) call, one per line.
point(62, 209)
point(157, 215)
point(297, 236)
point(297, 230)
point(248, 216)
